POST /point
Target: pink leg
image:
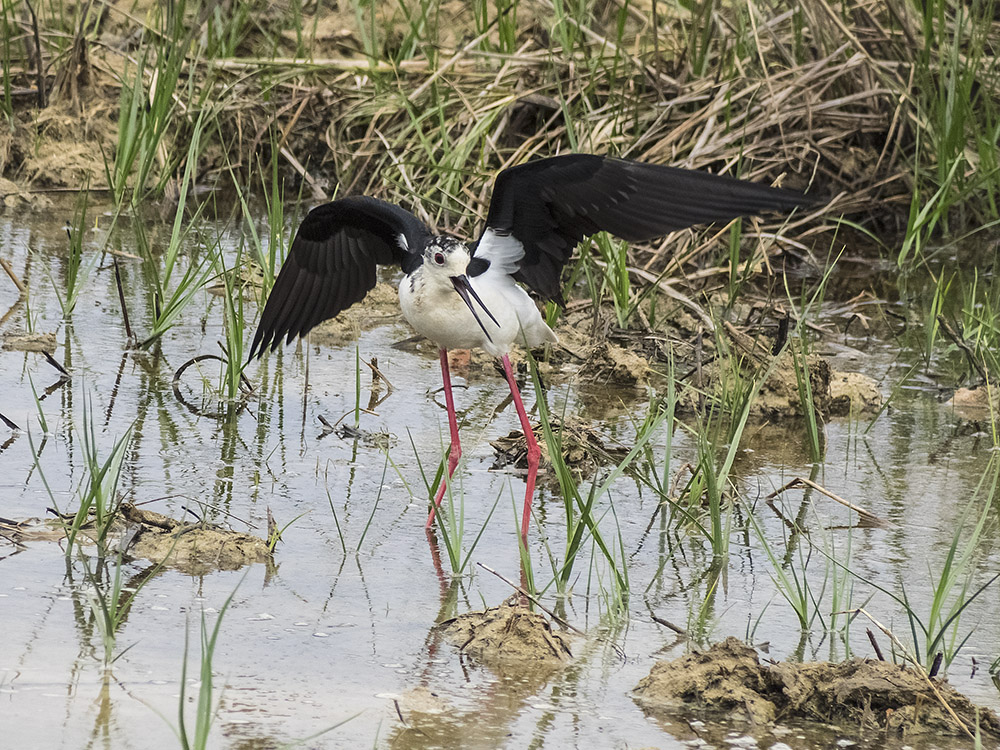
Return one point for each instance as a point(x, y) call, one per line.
point(455, 452)
point(534, 452)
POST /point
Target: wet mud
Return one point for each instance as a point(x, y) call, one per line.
point(583, 448)
point(192, 548)
point(858, 695)
point(508, 638)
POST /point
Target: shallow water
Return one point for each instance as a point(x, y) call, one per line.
point(341, 626)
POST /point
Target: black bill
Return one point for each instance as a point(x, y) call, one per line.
point(467, 293)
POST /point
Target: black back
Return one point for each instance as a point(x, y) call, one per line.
point(549, 205)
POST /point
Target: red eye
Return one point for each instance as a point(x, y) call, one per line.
point(439, 258)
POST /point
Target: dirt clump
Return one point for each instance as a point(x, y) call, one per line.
point(22, 532)
point(780, 395)
point(195, 548)
point(583, 450)
point(12, 194)
point(980, 397)
point(587, 352)
point(60, 146)
point(594, 358)
point(508, 637)
point(248, 279)
point(852, 392)
point(192, 548)
point(833, 394)
point(608, 362)
point(30, 342)
point(521, 653)
point(727, 676)
point(869, 695)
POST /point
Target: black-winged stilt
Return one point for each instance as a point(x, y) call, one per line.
point(462, 296)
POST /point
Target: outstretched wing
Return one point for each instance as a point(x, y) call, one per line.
point(332, 264)
point(541, 210)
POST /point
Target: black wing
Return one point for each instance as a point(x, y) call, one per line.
point(332, 264)
point(549, 205)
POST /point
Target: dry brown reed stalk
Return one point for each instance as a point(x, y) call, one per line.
point(868, 517)
point(21, 288)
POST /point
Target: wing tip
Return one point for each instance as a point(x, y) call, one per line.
point(266, 340)
point(258, 347)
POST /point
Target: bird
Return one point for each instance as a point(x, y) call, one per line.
point(464, 296)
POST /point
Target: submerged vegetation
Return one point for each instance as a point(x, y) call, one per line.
point(194, 135)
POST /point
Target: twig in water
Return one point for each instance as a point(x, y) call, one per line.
point(273, 532)
point(399, 712)
point(667, 624)
point(52, 361)
point(121, 298)
point(671, 493)
point(194, 360)
point(245, 383)
point(5, 264)
point(349, 413)
point(962, 344)
point(176, 385)
point(866, 515)
point(377, 373)
point(14, 542)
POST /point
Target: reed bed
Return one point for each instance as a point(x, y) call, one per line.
point(883, 107)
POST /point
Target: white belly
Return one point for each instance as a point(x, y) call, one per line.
point(440, 314)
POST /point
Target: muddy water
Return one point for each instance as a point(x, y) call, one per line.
point(341, 627)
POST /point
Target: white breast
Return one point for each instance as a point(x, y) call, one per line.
point(435, 309)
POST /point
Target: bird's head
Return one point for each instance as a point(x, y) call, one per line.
point(445, 262)
point(446, 256)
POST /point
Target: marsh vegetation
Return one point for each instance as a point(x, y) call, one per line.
point(754, 430)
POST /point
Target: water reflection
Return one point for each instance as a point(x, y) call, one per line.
point(347, 617)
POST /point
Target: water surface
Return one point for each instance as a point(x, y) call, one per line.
point(341, 625)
